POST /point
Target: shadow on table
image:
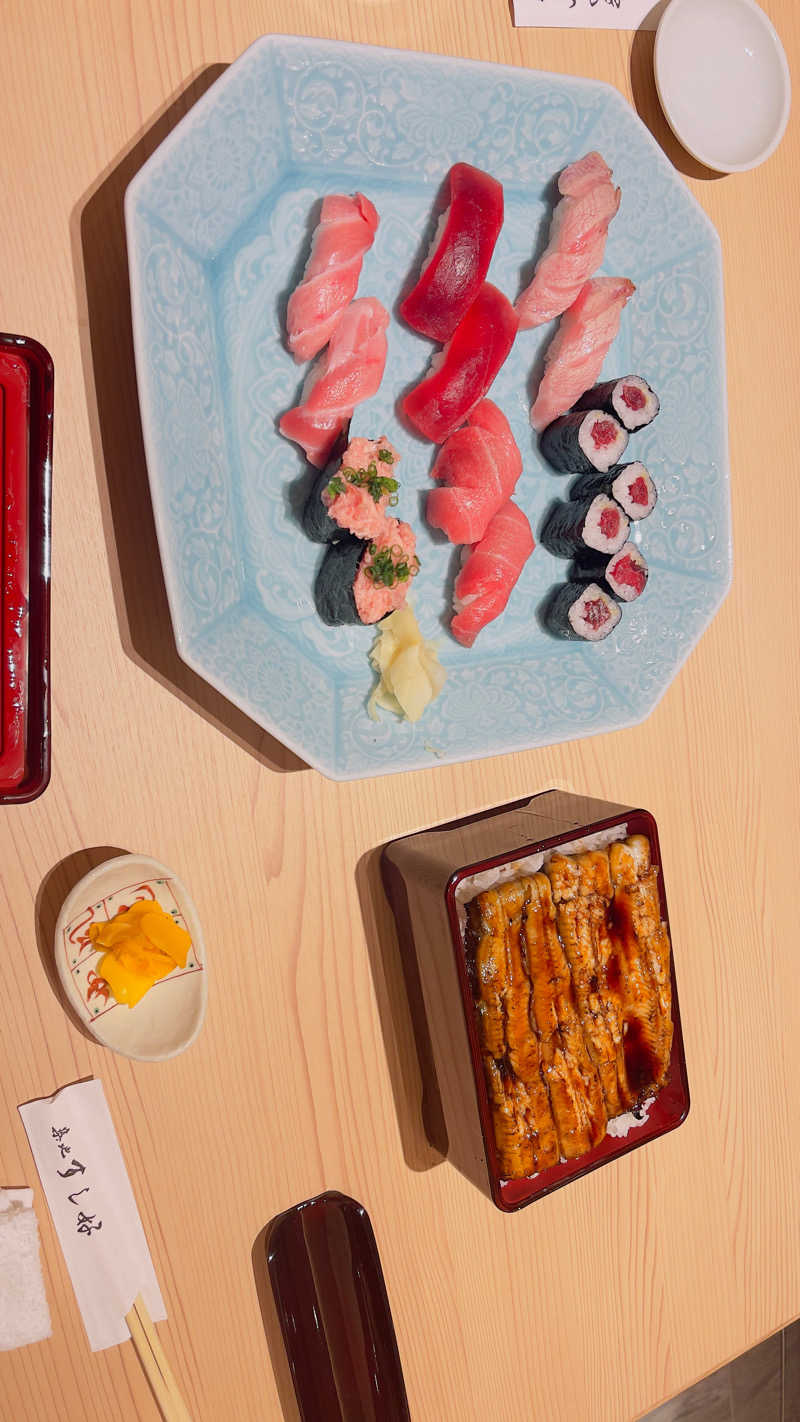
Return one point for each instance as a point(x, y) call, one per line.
point(404, 1024)
point(101, 271)
point(53, 891)
point(272, 1327)
point(646, 103)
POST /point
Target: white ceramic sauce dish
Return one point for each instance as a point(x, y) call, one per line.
point(723, 81)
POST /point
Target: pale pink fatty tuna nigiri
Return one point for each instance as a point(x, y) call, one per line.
point(348, 372)
point(577, 242)
point(346, 230)
point(477, 468)
point(576, 353)
point(490, 572)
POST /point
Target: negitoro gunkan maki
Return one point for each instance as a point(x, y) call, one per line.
point(597, 523)
point(629, 484)
point(581, 610)
point(352, 495)
point(363, 580)
point(629, 398)
point(624, 573)
point(579, 442)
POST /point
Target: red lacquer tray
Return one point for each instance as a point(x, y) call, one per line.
point(421, 875)
point(26, 440)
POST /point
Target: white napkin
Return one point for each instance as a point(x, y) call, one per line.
point(24, 1315)
point(81, 1168)
point(589, 14)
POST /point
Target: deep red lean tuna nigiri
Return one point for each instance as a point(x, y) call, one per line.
point(461, 373)
point(577, 351)
point(478, 468)
point(349, 371)
point(459, 259)
point(577, 242)
point(346, 230)
point(490, 572)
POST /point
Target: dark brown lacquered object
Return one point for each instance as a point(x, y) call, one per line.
point(334, 1313)
point(421, 875)
point(26, 434)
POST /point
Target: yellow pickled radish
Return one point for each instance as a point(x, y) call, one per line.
point(143, 944)
point(166, 934)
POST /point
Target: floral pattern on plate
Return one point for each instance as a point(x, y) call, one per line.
point(219, 220)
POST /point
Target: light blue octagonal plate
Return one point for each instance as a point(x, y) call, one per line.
point(218, 227)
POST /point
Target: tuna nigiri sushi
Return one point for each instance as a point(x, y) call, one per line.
point(462, 249)
point(578, 349)
point(462, 372)
point(346, 230)
point(490, 572)
point(353, 493)
point(577, 242)
point(349, 371)
point(478, 468)
point(364, 580)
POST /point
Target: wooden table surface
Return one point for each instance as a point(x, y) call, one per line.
point(590, 1306)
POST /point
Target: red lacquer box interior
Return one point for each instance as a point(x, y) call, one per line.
point(26, 441)
point(421, 875)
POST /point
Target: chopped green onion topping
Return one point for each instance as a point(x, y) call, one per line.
point(390, 566)
point(376, 485)
point(386, 455)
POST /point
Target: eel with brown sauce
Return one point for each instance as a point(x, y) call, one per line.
point(570, 971)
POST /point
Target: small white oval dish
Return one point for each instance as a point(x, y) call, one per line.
point(170, 1015)
point(723, 81)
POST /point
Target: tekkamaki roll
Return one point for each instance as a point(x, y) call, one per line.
point(346, 230)
point(364, 580)
point(453, 273)
point(625, 573)
point(597, 523)
point(490, 572)
point(354, 493)
point(629, 398)
point(348, 372)
point(462, 372)
point(577, 242)
point(578, 443)
point(477, 470)
point(581, 610)
point(629, 484)
point(575, 356)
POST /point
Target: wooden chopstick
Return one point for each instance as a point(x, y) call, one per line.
point(154, 1361)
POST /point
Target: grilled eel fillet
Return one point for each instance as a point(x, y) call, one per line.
point(582, 892)
point(543, 1087)
point(524, 1132)
point(571, 981)
point(642, 945)
point(576, 1096)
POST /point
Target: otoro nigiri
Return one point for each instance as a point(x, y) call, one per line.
point(461, 373)
point(478, 468)
point(577, 351)
point(578, 233)
point(451, 277)
point(490, 572)
point(346, 230)
point(349, 371)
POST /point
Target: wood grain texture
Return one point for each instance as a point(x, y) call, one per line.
point(615, 1293)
